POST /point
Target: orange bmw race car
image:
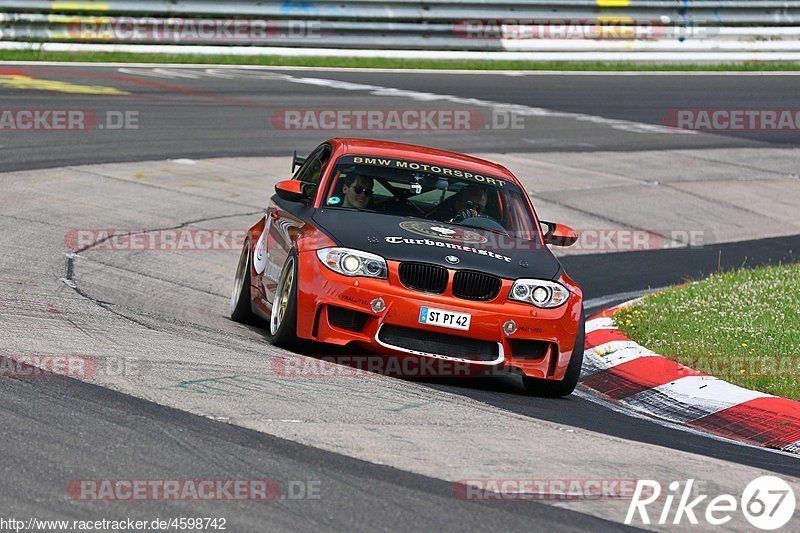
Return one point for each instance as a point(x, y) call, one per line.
point(414, 252)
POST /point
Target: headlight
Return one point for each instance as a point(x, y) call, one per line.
point(541, 293)
point(350, 262)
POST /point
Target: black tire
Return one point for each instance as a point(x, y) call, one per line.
point(557, 389)
point(241, 310)
point(283, 317)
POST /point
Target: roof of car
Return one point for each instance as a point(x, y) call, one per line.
point(412, 151)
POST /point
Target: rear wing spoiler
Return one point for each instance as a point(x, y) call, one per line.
point(297, 161)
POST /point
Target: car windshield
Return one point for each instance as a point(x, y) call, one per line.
point(428, 191)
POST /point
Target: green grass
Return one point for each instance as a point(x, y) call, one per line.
point(35, 55)
point(742, 326)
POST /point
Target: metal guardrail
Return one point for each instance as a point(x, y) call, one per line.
point(446, 25)
point(768, 12)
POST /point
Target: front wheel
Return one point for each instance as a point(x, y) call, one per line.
point(555, 389)
point(283, 318)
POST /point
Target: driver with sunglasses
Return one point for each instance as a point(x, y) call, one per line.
point(357, 190)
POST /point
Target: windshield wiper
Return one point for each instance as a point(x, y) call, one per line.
point(498, 231)
point(351, 209)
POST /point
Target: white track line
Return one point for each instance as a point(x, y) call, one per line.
point(601, 301)
point(515, 109)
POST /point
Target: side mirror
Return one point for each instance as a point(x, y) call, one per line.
point(559, 234)
point(297, 161)
point(294, 191)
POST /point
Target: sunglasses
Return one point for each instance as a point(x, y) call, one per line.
point(361, 190)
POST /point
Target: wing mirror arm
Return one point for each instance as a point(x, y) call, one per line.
point(297, 161)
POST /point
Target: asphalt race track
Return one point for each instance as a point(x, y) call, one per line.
point(211, 112)
point(150, 439)
point(384, 452)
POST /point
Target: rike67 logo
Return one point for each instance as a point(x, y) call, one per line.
point(768, 503)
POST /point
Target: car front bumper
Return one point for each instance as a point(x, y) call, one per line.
point(540, 342)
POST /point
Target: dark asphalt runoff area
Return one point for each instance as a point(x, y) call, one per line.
point(206, 112)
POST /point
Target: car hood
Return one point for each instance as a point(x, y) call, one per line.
point(419, 240)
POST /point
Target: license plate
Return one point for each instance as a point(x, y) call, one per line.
point(445, 319)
